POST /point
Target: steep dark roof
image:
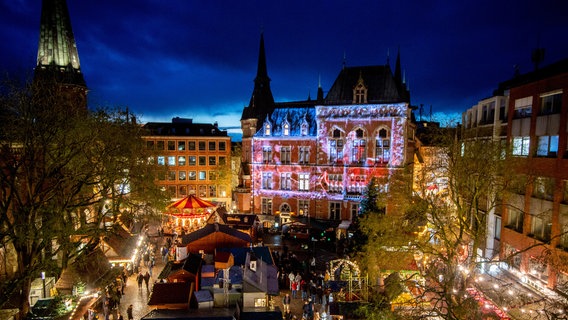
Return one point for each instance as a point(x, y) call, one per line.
point(551, 70)
point(212, 228)
point(184, 127)
point(295, 116)
point(381, 84)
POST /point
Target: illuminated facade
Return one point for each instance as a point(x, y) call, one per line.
point(314, 158)
point(197, 157)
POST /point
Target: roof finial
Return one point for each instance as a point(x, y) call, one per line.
point(344, 60)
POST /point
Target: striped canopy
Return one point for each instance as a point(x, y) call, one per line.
point(191, 202)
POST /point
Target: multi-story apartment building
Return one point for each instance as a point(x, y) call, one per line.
point(535, 217)
point(315, 158)
point(487, 121)
point(197, 157)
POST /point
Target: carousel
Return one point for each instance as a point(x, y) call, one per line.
point(187, 214)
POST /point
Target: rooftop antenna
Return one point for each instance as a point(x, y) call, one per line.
point(344, 59)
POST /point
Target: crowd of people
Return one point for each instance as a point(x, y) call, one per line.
point(304, 281)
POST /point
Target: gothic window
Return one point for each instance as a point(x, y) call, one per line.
point(336, 147)
point(359, 150)
point(285, 208)
point(382, 147)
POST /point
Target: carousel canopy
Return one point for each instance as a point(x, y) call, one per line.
point(189, 203)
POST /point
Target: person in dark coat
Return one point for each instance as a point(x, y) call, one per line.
point(129, 313)
point(139, 279)
point(147, 279)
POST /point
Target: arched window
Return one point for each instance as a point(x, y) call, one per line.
point(336, 146)
point(359, 148)
point(382, 146)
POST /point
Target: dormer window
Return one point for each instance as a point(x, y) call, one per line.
point(360, 91)
point(267, 129)
point(286, 129)
point(304, 128)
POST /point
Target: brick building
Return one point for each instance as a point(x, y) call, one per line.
point(314, 158)
point(535, 216)
point(197, 156)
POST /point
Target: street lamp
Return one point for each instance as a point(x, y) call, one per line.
point(43, 280)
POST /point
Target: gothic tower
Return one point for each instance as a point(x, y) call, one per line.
point(58, 66)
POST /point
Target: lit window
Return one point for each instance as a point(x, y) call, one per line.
point(521, 146)
point(286, 181)
point(181, 161)
point(336, 147)
point(304, 128)
point(162, 160)
point(304, 182)
point(192, 160)
point(382, 147)
point(360, 91)
point(304, 207)
point(192, 175)
point(335, 183)
point(286, 129)
point(202, 175)
point(181, 175)
point(267, 180)
point(171, 160)
point(181, 145)
point(359, 151)
point(267, 129)
point(303, 155)
point(547, 146)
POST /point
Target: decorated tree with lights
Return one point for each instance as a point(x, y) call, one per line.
point(441, 228)
point(67, 177)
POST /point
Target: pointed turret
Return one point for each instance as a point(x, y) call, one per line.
point(261, 101)
point(57, 56)
point(397, 70)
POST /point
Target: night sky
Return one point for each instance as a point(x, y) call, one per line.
point(198, 59)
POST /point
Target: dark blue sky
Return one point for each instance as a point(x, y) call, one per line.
point(198, 59)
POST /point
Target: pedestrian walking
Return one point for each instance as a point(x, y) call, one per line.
point(129, 313)
point(140, 279)
point(286, 303)
point(147, 280)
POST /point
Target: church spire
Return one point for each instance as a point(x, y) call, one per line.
point(57, 55)
point(261, 101)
